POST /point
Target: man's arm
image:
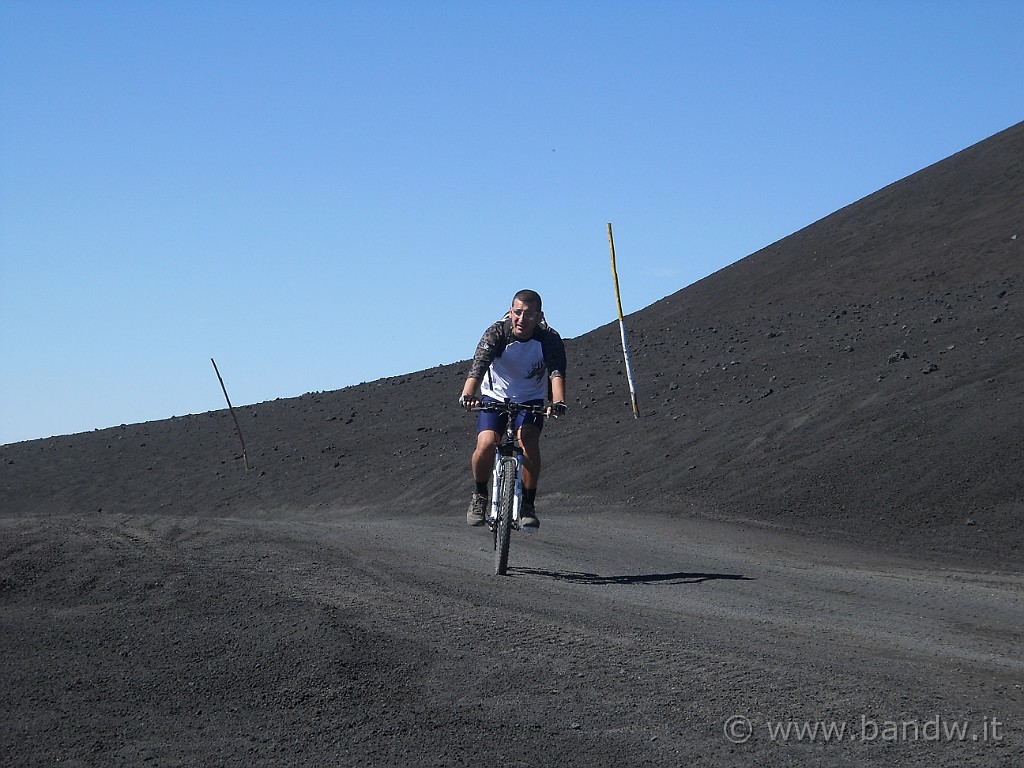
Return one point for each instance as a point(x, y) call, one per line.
point(558, 389)
point(492, 343)
point(558, 406)
point(470, 396)
point(489, 345)
point(554, 361)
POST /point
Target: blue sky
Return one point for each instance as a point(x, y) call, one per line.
point(318, 194)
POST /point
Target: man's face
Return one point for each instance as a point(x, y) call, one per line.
point(524, 319)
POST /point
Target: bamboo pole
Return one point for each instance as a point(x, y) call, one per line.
point(245, 455)
point(622, 329)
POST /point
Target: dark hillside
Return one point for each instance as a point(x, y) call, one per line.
point(860, 378)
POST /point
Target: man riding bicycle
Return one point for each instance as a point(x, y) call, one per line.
point(519, 359)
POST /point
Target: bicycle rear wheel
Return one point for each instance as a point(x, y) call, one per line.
point(503, 525)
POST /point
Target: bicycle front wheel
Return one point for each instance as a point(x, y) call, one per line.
point(503, 525)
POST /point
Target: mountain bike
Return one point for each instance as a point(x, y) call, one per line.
point(503, 515)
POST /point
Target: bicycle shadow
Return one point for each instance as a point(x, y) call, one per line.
point(581, 577)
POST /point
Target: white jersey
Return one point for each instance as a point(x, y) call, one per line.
point(517, 374)
point(517, 370)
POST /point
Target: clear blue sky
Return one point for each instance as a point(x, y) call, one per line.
point(318, 194)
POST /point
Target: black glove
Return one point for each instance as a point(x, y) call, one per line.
point(559, 409)
point(469, 401)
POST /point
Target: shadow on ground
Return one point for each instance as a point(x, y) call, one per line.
point(680, 577)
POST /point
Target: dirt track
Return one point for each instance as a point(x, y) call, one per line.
point(376, 640)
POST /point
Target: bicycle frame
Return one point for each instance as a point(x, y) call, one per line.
point(509, 447)
point(504, 513)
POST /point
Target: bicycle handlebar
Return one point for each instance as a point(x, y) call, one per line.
point(509, 407)
point(555, 410)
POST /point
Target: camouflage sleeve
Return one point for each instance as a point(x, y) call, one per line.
point(491, 344)
point(554, 354)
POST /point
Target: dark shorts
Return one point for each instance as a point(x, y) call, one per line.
point(495, 420)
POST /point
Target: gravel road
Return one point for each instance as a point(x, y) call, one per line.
point(617, 639)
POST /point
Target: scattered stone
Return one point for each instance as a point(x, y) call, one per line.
point(898, 355)
point(930, 368)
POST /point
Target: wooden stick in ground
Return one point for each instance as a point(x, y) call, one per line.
point(622, 330)
point(245, 455)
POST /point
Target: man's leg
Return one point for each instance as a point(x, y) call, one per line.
point(529, 436)
point(482, 465)
point(483, 456)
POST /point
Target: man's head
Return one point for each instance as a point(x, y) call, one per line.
point(526, 313)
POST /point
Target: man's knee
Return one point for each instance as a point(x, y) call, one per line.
point(529, 436)
point(529, 433)
point(486, 440)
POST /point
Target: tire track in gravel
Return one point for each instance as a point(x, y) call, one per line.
point(370, 640)
point(644, 613)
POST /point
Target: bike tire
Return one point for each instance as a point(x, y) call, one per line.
point(503, 525)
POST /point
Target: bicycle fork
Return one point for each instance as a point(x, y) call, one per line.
point(517, 501)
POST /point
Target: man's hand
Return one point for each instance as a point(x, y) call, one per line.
point(469, 401)
point(559, 409)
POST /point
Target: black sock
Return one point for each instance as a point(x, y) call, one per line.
point(529, 494)
point(481, 489)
